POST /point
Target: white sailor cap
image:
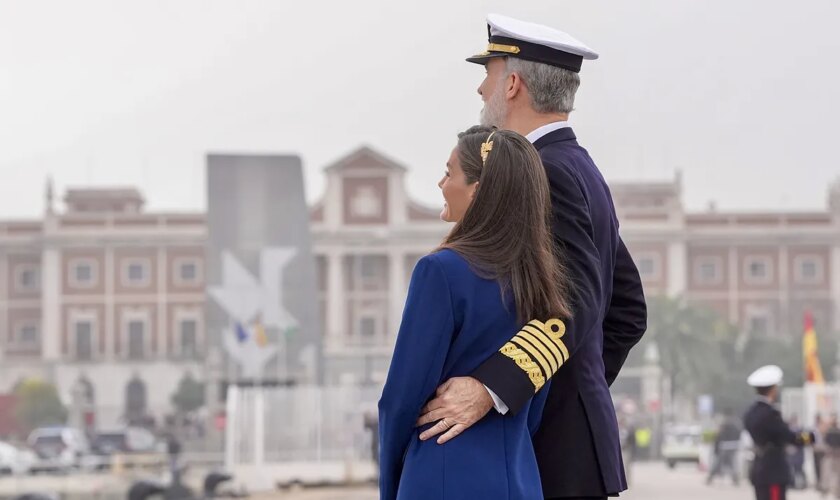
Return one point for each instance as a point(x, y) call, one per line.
point(766, 376)
point(510, 37)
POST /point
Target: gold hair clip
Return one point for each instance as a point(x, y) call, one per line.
point(486, 147)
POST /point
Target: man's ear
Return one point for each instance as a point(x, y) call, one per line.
point(513, 85)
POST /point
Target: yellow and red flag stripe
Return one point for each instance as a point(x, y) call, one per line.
point(813, 370)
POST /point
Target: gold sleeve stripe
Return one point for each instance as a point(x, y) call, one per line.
point(546, 341)
point(538, 350)
point(550, 352)
point(525, 363)
point(540, 357)
point(550, 359)
point(555, 329)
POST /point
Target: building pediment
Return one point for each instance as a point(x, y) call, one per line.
point(364, 158)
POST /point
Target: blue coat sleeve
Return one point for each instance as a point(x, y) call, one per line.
point(416, 367)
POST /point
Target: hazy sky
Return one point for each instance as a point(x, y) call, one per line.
point(741, 95)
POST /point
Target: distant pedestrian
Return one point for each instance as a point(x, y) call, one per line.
point(371, 423)
point(726, 446)
point(820, 450)
point(796, 457)
point(831, 466)
point(173, 449)
point(629, 446)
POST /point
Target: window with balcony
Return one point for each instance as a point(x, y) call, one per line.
point(136, 339)
point(83, 340)
point(188, 338)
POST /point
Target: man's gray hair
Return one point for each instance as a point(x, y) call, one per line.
point(552, 89)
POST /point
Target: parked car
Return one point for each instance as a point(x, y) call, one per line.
point(682, 443)
point(58, 448)
point(129, 442)
point(14, 460)
point(124, 440)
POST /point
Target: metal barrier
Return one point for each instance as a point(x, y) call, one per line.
point(301, 426)
point(809, 401)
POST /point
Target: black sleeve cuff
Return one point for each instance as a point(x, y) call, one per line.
point(502, 375)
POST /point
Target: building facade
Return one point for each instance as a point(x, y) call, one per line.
point(104, 300)
point(108, 300)
point(759, 270)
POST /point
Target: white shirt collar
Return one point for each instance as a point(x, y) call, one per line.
point(535, 135)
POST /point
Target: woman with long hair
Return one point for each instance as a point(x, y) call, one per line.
point(495, 271)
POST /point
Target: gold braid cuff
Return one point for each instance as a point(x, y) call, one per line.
point(538, 350)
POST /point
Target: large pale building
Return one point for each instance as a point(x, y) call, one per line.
point(759, 270)
point(107, 299)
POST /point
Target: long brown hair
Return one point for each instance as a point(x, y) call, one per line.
point(505, 233)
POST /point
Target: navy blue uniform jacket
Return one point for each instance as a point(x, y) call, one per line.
point(770, 435)
point(453, 320)
point(577, 444)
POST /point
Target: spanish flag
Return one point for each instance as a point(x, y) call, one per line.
point(813, 371)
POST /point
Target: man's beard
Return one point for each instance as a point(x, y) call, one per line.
point(495, 110)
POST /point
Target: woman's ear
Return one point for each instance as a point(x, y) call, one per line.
point(473, 190)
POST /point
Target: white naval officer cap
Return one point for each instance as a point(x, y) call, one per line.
point(766, 376)
point(509, 37)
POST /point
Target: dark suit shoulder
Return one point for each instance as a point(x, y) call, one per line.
point(758, 409)
point(569, 159)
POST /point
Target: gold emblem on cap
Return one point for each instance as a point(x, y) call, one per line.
point(508, 49)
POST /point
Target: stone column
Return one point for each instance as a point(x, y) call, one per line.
point(677, 268)
point(783, 269)
point(109, 329)
point(336, 326)
point(835, 284)
point(396, 292)
point(162, 328)
point(5, 278)
point(51, 324)
point(734, 274)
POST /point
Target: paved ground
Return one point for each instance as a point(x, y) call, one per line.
point(656, 482)
point(650, 482)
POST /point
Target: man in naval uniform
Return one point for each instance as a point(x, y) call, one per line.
point(532, 78)
point(770, 473)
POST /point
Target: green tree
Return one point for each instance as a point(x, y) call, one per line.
point(704, 354)
point(189, 396)
point(38, 405)
point(692, 343)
